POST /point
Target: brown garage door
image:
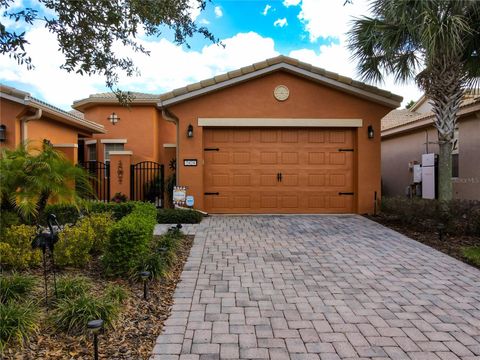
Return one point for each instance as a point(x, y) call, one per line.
point(272, 170)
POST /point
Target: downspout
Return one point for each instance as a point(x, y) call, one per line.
point(169, 116)
point(23, 122)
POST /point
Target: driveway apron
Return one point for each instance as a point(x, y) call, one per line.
point(319, 287)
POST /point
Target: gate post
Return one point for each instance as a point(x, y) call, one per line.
point(120, 162)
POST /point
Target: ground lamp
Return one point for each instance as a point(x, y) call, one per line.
point(441, 230)
point(190, 131)
point(94, 327)
point(144, 275)
point(370, 132)
point(3, 133)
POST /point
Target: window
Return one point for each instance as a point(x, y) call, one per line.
point(455, 170)
point(112, 147)
point(92, 152)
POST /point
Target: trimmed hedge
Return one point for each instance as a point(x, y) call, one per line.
point(457, 216)
point(129, 240)
point(178, 216)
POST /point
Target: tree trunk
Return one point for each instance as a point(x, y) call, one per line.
point(445, 188)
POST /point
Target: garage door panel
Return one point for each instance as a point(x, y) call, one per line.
point(244, 171)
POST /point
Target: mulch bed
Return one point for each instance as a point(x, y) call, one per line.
point(450, 244)
point(134, 332)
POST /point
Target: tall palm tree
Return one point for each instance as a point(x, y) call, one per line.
point(32, 177)
point(435, 42)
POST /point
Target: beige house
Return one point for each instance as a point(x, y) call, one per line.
point(409, 133)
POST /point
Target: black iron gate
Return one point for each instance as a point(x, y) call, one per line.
point(99, 178)
point(147, 181)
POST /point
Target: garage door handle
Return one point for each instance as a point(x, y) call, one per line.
point(211, 149)
point(345, 193)
point(211, 193)
point(350, 150)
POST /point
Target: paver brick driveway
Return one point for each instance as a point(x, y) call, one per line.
point(319, 287)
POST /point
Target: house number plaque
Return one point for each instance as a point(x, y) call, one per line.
point(189, 162)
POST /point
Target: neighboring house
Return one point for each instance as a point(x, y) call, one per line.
point(407, 134)
point(279, 136)
point(24, 118)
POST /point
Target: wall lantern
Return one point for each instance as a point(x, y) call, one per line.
point(190, 131)
point(113, 118)
point(3, 133)
point(370, 132)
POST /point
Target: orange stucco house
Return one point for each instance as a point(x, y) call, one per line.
point(279, 136)
point(24, 118)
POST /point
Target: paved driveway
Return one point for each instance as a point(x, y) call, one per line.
point(319, 287)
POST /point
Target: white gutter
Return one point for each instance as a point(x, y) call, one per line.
point(25, 119)
point(167, 115)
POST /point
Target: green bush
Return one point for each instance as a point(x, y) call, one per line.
point(457, 216)
point(69, 287)
point(65, 213)
point(178, 216)
point(8, 218)
point(101, 224)
point(16, 247)
point(16, 287)
point(73, 314)
point(129, 240)
point(74, 244)
point(116, 293)
point(119, 210)
point(161, 255)
point(17, 322)
point(472, 254)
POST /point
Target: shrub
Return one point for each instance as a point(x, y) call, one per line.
point(73, 314)
point(457, 216)
point(101, 224)
point(7, 219)
point(119, 210)
point(16, 287)
point(74, 244)
point(16, 247)
point(115, 293)
point(472, 254)
point(119, 198)
point(71, 287)
point(65, 213)
point(17, 322)
point(129, 240)
point(178, 216)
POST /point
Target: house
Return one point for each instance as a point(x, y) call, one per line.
point(278, 136)
point(24, 118)
point(407, 134)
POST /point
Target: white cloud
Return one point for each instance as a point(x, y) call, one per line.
point(265, 11)
point(218, 11)
point(168, 67)
point(204, 22)
point(281, 22)
point(288, 3)
point(194, 9)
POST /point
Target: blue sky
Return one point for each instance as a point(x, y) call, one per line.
point(310, 30)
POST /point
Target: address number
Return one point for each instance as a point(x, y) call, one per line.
point(190, 162)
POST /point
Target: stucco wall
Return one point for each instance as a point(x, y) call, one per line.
point(9, 111)
point(254, 99)
point(398, 151)
point(142, 126)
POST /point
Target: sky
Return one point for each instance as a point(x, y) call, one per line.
point(313, 31)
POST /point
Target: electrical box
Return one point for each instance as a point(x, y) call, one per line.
point(417, 173)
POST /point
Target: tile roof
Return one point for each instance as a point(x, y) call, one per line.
point(396, 118)
point(232, 75)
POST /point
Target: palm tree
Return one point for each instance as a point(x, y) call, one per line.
point(30, 178)
point(435, 42)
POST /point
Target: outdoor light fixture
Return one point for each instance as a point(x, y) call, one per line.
point(190, 131)
point(94, 327)
point(441, 230)
point(3, 133)
point(113, 118)
point(144, 275)
point(370, 132)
